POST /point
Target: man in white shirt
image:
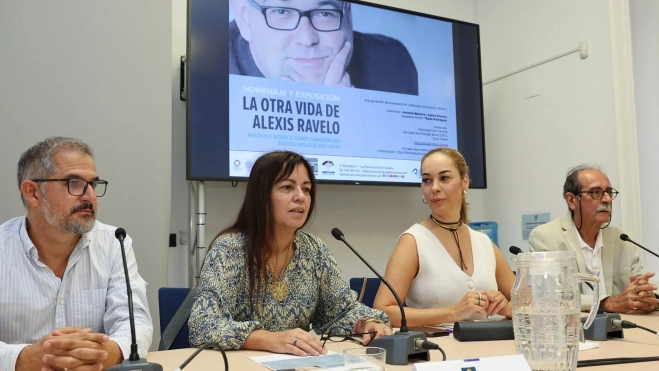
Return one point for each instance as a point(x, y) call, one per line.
point(63, 303)
point(585, 229)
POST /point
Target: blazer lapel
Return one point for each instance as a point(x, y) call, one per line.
point(608, 250)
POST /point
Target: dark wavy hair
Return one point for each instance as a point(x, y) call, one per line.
point(255, 219)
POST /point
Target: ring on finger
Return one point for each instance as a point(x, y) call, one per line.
point(479, 299)
point(295, 342)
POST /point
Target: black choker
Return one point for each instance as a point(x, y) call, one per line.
point(453, 229)
point(448, 224)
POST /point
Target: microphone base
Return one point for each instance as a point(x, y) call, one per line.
point(142, 365)
point(602, 329)
point(400, 347)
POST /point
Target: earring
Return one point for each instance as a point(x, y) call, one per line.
point(423, 199)
point(465, 193)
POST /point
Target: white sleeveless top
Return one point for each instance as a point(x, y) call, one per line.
point(440, 283)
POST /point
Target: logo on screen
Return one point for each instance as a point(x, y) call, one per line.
point(248, 165)
point(328, 165)
point(236, 165)
point(314, 164)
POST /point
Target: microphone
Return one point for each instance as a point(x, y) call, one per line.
point(626, 238)
point(404, 343)
point(134, 362)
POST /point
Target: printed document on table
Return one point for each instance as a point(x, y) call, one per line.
point(332, 361)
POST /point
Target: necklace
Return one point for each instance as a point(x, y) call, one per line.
point(453, 229)
point(279, 289)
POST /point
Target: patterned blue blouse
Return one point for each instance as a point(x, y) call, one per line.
point(319, 295)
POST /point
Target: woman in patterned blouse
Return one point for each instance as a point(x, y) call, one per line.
point(265, 282)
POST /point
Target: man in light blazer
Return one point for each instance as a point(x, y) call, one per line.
point(585, 229)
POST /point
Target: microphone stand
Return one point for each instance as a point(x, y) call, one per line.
point(134, 362)
point(404, 344)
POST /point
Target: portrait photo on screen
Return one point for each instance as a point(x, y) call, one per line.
point(361, 90)
point(334, 42)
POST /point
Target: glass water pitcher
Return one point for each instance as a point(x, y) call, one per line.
point(546, 304)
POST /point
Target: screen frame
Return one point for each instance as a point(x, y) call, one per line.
point(326, 181)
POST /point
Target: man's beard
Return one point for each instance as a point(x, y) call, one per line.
point(70, 225)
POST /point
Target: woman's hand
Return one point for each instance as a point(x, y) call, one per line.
point(498, 304)
point(472, 302)
point(297, 342)
point(379, 328)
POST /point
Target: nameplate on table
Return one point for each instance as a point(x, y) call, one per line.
point(507, 363)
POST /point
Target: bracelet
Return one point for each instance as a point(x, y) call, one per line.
point(358, 325)
point(361, 324)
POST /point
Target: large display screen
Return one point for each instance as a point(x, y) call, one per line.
point(362, 91)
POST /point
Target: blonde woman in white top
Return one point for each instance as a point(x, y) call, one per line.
point(444, 270)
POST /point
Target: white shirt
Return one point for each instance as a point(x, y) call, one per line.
point(91, 294)
point(592, 258)
point(440, 283)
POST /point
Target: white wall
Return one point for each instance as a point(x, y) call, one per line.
point(372, 217)
point(645, 43)
point(178, 256)
point(531, 143)
point(98, 71)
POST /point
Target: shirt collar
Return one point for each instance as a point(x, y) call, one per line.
point(28, 245)
point(26, 242)
point(582, 244)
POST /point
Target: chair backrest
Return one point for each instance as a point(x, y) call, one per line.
point(169, 300)
point(369, 291)
point(491, 229)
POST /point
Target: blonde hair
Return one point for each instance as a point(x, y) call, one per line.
point(463, 170)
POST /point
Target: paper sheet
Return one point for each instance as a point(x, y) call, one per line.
point(332, 361)
point(589, 345)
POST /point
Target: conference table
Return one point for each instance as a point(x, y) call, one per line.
point(636, 343)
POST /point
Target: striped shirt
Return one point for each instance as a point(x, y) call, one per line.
point(91, 294)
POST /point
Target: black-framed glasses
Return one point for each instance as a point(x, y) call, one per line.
point(78, 186)
point(598, 193)
point(338, 337)
point(287, 19)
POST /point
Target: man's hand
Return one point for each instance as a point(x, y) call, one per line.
point(646, 301)
point(80, 351)
point(336, 73)
point(636, 298)
point(32, 357)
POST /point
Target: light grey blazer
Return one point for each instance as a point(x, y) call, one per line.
point(620, 259)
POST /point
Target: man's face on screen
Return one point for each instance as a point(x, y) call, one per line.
point(303, 53)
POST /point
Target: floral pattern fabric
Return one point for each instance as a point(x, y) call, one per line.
point(319, 296)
